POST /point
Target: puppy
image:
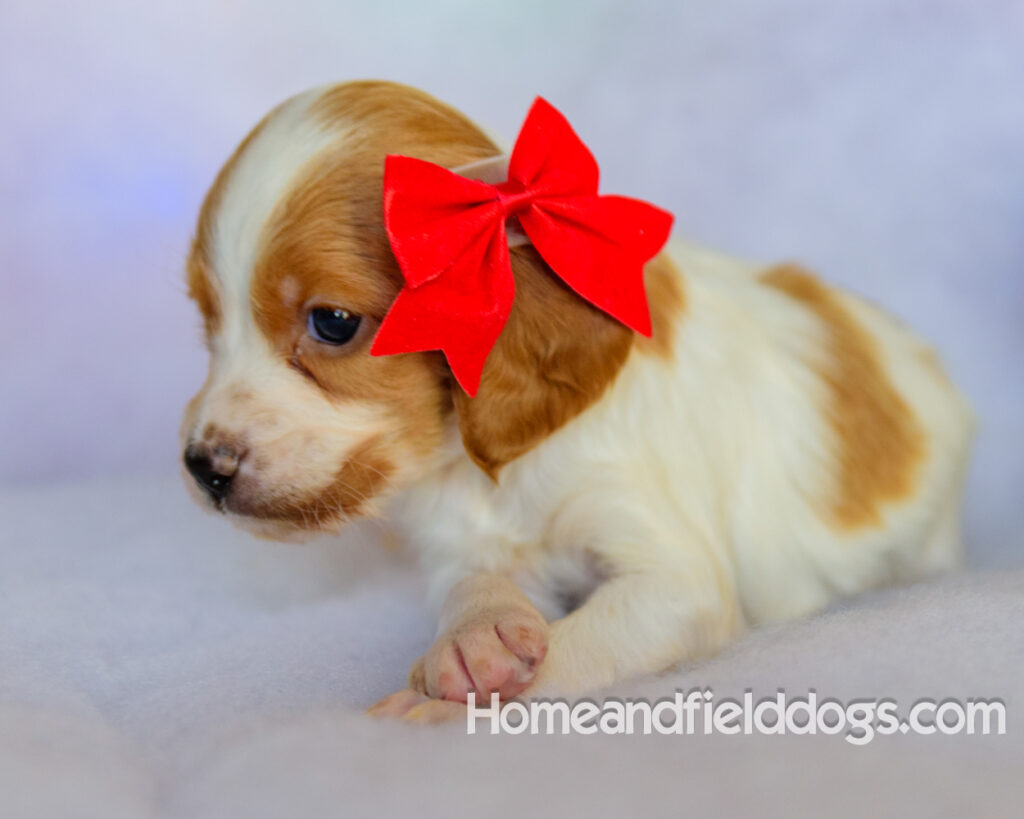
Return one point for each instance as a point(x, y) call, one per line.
point(607, 505)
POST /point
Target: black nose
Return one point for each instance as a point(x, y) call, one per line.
point(216, 480)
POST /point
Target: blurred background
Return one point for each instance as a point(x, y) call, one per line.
point(880, 142)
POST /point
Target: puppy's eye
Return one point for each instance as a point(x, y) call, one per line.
point(332, 325)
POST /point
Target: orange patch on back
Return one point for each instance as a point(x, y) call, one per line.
point(880, 445)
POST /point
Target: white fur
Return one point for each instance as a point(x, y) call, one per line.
point(264, 174)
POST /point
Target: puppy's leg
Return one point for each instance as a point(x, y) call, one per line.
point(640, 621)
point(490, 639)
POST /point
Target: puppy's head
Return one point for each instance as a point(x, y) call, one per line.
point(298, 428)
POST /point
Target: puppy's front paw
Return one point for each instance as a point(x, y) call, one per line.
point(494, 651)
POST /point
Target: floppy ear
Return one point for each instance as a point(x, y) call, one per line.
point(556, 355)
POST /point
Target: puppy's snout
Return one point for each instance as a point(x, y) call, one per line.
point(212, 468)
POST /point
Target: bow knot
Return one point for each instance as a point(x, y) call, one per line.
point(448, 234)
point(513, 197)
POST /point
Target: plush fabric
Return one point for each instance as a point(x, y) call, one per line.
point(154, 662)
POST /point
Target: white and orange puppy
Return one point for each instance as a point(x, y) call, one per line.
point(607, 505)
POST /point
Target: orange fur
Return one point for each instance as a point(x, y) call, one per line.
point(555, 357)
point(879, 443)
point(359, 478)
point(667, 301)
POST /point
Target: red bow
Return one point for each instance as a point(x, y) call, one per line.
point(448, 235)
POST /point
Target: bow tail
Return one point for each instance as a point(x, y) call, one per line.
point(460, 313)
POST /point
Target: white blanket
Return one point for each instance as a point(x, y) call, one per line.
point(156, 663)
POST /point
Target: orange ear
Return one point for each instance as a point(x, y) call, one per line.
point(556, 355)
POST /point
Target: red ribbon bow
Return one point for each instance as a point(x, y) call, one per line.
point(448, 235)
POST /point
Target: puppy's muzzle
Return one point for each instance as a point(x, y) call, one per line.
point(212, 468)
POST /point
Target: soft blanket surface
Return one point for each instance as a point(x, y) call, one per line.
point(155, 662)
